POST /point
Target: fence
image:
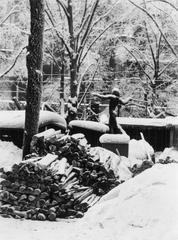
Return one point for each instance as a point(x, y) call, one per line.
point(51, 92)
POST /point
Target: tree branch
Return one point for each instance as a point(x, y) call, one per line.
point(16, 27)
point(49, 13)
point(105, 14)
point(135, 60)
point(158, 55)
point(157, 25)
point(58, 33)
point(144, 58)
point(84, 12)
point(10, 13)
point(13, 64)
point(81, 78)
point(88, 85)
point(64, 7)
point(150, 46)
point(90, 46)
point(53, 57)
point(163, 70)
point(89, 24)
point(84, 22)
point(164, 1)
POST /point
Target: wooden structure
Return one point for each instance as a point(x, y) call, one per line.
point(12, 124)
point(117, 143)
point(92, 130)
point(160, 133)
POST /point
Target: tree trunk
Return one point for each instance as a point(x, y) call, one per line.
point(73, 61)
point(62, 81)
point(34, 67)
point(73, 78)
point(62, 74)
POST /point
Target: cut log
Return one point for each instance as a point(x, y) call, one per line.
point(47, 160)
point(59, 167)
point(43, 135)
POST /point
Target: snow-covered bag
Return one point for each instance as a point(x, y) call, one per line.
point(138, 152)
point(118, 164)
point(171, 153)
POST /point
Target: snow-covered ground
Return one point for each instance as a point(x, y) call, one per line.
point(143, 208)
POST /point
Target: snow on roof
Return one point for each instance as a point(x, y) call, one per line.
point(16, 119)
point(152, 122)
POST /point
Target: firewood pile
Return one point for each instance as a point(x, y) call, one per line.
point(61, 179)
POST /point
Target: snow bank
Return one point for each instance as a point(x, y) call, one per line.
point(9, 154)
point(143, 208)
point(171, 153)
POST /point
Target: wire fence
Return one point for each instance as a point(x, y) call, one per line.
point(51, 90)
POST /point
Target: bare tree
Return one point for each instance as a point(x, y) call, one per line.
point(150, 58)
point(34, 67)
point(79, 42)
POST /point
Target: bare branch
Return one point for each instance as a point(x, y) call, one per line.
point(49, 13)
point(81, 78)
point(84, 22)
point(13, 64)
point(149, 41)
point(164, 69)
point(16, 27)
point(158, 52)
point(64, 7)
point(84, 12)
point(10, 13)
point(164, 84)
point(89, 84)
point(133, 55)
point(164, 1)
point(144, 58)
point(58, 33)
point(89, 23)
point(150, 46)
point(94, 41)
point(105, 14)
point(53, 57)
point(157, 25)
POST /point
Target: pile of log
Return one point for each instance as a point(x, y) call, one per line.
point(59, 180)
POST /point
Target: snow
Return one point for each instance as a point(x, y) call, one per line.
point(9, 154)
point(142, 208)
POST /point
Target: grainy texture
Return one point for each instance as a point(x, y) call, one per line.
point(34, 66)
point(61, 179)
